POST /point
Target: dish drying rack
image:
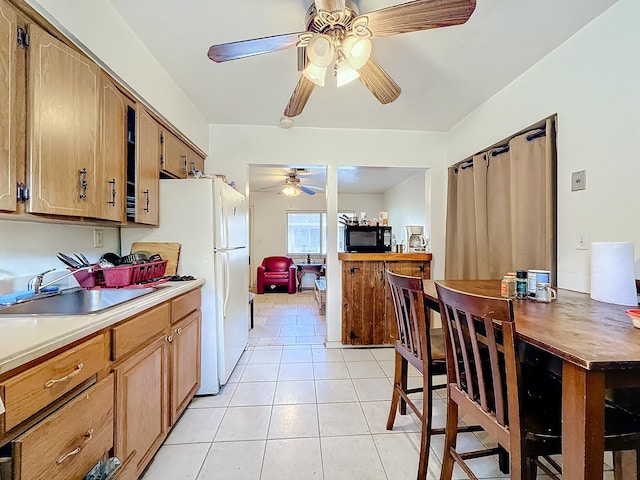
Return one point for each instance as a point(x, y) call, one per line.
point(121, 275)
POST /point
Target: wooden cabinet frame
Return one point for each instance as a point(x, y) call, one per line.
point(368, 315)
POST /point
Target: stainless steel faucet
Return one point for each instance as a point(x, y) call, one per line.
point(36, 284)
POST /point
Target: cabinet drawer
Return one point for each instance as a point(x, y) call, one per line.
point(68, 443)
point(125, 338)
point(185, 304)
point(34, 389)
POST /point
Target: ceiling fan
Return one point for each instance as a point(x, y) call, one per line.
point(292, 186)
point(336, 34)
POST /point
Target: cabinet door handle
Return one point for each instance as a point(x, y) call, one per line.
point(112, 182)
point(178, 331)
point(87, 436)
point(146, 208)
point(83, 184)
point(169, 339)
point(184, 164)
point(53, 381)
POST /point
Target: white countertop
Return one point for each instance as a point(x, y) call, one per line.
point(26, 337)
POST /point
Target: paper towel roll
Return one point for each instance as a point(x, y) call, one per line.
point(612, 274)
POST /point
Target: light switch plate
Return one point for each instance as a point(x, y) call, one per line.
point(582, 241)
point(579, 180)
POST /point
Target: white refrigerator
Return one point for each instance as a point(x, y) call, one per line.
point(209, 219)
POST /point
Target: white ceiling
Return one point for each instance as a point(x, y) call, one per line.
point(444, 73)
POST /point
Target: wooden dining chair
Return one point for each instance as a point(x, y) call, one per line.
point(417, 344)
point(518, 403)
point(421, 346)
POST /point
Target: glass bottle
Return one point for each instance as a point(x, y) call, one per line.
point(521, 284)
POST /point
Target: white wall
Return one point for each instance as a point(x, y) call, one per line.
point(407, 205)
point(28, 248)
point(592, 83)
point(233, 148)
point(371, 204)
point(97, 25)
point(270, 223)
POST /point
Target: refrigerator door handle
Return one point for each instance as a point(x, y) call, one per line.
point(224, 221)
point(227, 284)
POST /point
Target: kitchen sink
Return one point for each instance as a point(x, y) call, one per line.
point(77, 301)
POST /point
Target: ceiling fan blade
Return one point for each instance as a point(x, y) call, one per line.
point(379, 82)
point(329, 5)
point(416, 15)
point(306, 190)
point(299, 98)
point(256, 46)
point(270, 187)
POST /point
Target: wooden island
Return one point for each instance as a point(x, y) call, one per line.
point(368, 316)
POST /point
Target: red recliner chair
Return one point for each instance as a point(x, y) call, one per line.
point(277, 271)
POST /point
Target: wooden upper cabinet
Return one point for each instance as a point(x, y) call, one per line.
point(63, 104)
point(175, 158)
point(147, 167)
point(8, 111)
point(113, 141)
point(196, 162)
point(178, 159)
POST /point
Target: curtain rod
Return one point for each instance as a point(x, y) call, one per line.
point(505, 148)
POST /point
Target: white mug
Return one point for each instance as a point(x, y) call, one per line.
point(544, 292)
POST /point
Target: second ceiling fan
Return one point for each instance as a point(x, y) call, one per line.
point(336, 34)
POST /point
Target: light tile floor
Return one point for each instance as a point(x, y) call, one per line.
point(293, 409)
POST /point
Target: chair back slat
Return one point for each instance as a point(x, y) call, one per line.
point(480, 344)
point(412, 325)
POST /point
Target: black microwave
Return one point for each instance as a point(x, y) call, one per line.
point(366, 239)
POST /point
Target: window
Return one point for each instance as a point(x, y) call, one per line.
point(306, 233)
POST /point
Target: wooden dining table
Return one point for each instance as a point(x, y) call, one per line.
point(599, 348)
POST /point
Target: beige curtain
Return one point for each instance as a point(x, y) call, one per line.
point(501, 210)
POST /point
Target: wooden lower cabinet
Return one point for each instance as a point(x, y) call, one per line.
point(368, 315)
point(157, 375)
point(69, 442)
point(116, 393)
point(185, 363)
point(363, 307)
point(142, 403)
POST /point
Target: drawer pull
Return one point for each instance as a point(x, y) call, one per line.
point(87, 436)
point(53, 381)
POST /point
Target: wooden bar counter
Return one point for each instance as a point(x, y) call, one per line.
point(368, 316)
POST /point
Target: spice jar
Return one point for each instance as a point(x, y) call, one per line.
point(508, 286)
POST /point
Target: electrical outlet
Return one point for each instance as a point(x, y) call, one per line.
point(579, 180)
point(582, 241)
point(98, 238)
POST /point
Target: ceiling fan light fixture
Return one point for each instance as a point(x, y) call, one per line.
point(345, 74)
point(291, 191)
point(320, 50)
point(357, 50)
point(315, 73)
